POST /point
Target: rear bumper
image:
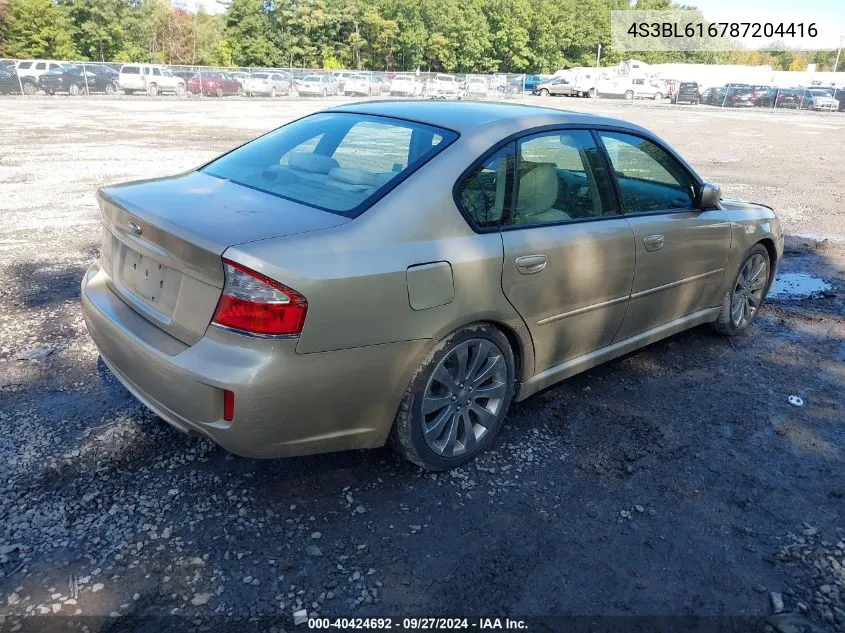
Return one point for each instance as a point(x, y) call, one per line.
point(285, 403)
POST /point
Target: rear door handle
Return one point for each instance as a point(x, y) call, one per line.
point(530, 264)
point(653, 242)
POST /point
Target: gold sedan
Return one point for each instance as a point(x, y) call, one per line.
point(406, 270)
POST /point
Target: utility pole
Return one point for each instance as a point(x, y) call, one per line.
point(838, 51)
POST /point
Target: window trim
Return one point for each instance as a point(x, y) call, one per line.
point(696, 180)
point(509, 187)
point(590, 127)
point(379, 194)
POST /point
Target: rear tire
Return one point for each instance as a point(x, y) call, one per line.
point(457, 401)
point(29, 88)
point(180, 90)
point(746, 294)
point(152, 90)
point(73, 90)
point(273, 92)
point(629, 95)
point(658, 96)
point(109, 89)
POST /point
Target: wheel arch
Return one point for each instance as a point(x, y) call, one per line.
point(769, 244)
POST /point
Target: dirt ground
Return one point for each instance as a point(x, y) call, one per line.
point(675, 481)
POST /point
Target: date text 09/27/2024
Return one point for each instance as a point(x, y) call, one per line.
point(418, 624)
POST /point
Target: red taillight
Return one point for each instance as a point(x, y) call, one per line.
point(256, 304)
point(228, 405)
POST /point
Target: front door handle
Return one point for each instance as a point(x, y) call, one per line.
point(653, 242)
point(530, 264)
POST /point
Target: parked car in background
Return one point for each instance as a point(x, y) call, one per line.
point(476, 86)
point(780, 97)
point(81, 79)
point(292, 297)
point(405, 85)
point(150, 79)
point(9, 84)
point(29, 70)
point(184, 75)
point(442, 86)
point(267, 84)
point(240, 76)
point(215, 84)
point(557, 86)
point(341, 77)
point(532, 81)
point(818, 99)
point(361, 84)
point(317, 86)
point(738, 97)
point(687, 92)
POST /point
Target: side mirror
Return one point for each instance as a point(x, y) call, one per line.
point(710, 195)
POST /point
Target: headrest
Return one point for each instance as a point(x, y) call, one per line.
point(314, 163)
point(537, 190)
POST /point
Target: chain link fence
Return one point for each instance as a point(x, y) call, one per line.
point(31, 77)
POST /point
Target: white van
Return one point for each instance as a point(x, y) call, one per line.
point(631, 88)
point(150, 79)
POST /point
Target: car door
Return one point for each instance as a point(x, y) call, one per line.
point(681, 249)
point(568, 254)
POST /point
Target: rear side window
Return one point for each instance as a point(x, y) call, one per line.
point(483, 193)
point(24, 65)
point(130, 70)
point(649, 178)
point(40, 66)
point(338, 162)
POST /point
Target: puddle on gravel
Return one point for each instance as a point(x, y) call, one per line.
point(797, 286)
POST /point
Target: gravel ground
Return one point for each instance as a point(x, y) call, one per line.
point(676, 481)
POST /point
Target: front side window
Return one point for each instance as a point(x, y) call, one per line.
point(156, 72)
point(40, 66)
point(561, 177)
point(484, 192)
point(335, 161)
point(649, 178)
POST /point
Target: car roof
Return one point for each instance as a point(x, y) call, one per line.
point(467, 116)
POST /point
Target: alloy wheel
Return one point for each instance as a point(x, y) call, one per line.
point(748, 291)
point(464, 397)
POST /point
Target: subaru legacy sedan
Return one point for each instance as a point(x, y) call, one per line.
point(403, 271)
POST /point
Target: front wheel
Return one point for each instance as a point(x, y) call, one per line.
point(457, 401)
point(629, 95)
point(743, 299)
point(180, 90)
point(109, 89)
point(73, 89)
point(152, 90)
point(544, 92)
point(273, 92)
point(658, 96)
point(592, 93)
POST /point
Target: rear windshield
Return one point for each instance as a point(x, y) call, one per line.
point(335, 161)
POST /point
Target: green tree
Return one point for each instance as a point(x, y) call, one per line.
point(37, 28)
point(248, 33)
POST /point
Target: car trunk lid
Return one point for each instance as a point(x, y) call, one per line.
point(163, 242)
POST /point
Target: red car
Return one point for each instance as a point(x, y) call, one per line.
point(217, 84)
